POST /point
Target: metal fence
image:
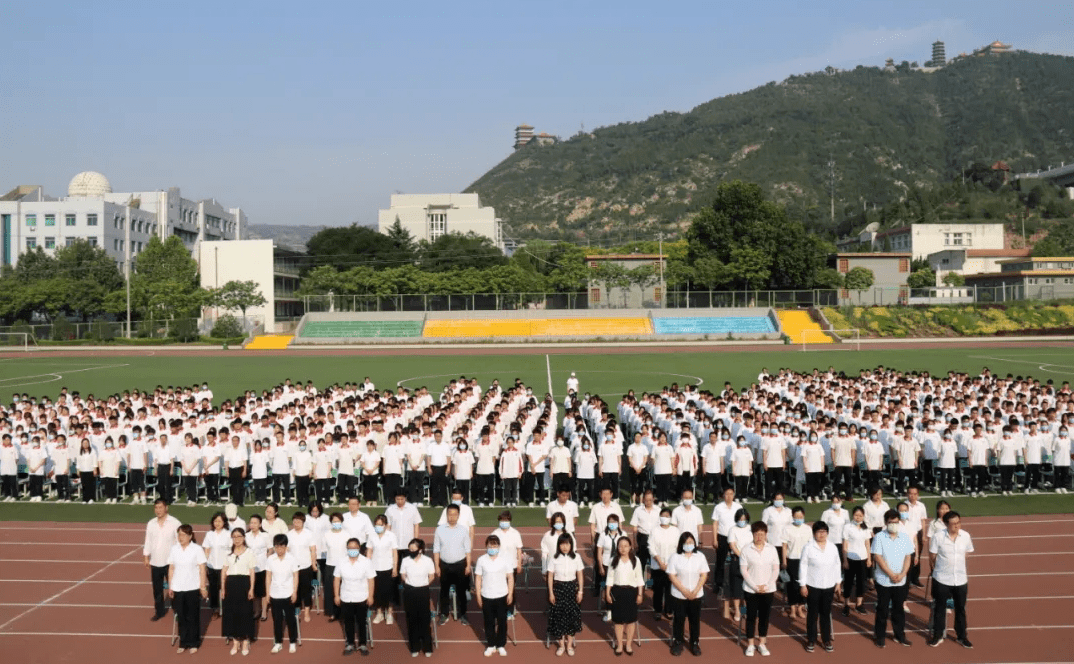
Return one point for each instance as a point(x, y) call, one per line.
point(102, 330)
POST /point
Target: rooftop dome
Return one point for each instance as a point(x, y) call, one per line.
point(89, 183)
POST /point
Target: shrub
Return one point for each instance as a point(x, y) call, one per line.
point(183, 330)
point(226, 327)
point(63, 330)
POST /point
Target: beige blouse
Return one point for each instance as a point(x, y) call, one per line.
point(241, 564)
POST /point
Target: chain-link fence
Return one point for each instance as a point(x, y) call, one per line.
point(185, 329)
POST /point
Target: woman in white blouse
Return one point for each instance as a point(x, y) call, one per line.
point(875, 508)
point(937, 526)
point(819, 576)
point(383, 550)
point(335, 548)
point(550, 540)
point(946, 461)
point(282, 579)
point(217, 544)
point(301, 545)
point(187, 587)
point(564, 574)
point(108, 462)
point(417, 572)
point(86, 464)
point(777, 518)
point(795, 539)
point(237, 595)
point(856, 560)
point(687, 571)
point(760, 570)
point(738, 538)
point(623, 592)
point(259, 542)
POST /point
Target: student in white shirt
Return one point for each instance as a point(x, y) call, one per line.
point(624, 591)
point(282, 571)
point(947, 559)
point(259, 542)
point(353, 581)
point(663, 542)
point(796, 537)
point(370, 464)
point(687, 571)
point(61, 470)
point(187, 587)
point(259, 472)
point(302, 545)
point(564, 505)
point(217, 543)
point(160, 536)
point(857, 562)
point(1061, 458)
point(760, 570)
point(638, 460)
point(417, 572)
point(819, 576)
point(644, 520)
point(36, 458)
point(564, 572)
point(461, 468)
point(237, 593)
point(382, 549)
point(86, 463)
point(494, 587)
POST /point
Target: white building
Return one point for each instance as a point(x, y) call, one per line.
point(971, 261)
point(924, 239)
point(274, 269)
point(121, 223)
point(428, 216)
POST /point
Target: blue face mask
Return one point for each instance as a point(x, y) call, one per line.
point(557, 526)
point(337, 526)
point(905, 516)
point(504, 525)
point(688, 548)
point(687, 501)
point(743, 524)
point(613, 526)
point(777, 503)
point(353, 553)
point(799, 522)
point(379, 529)
point(456, 502)
point(492, 550)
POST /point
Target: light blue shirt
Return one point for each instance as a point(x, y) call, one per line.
point(894, 552)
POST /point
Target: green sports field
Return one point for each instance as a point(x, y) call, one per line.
point(610, 375)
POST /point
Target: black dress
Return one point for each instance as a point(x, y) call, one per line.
point(565, 616)
point(237, 621)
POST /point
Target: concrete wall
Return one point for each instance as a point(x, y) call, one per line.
point(464, 215)
point(246, 260)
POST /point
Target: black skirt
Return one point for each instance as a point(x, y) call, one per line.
point(259, 584)
point(238, 619)
point(734, 578)
point(624, 605)
point(565, 616)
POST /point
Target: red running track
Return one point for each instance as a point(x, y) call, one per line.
point(66, 588)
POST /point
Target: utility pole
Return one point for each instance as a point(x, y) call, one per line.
point(831, 183)
point(127, 263)
point(663, 291)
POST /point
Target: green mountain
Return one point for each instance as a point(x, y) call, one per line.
point(886, 134)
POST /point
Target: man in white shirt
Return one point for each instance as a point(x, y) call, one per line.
point(356, 522)
point(159, 540)
point(687, 517)
point(404, 520)
point(947, 559)
point(565, 505)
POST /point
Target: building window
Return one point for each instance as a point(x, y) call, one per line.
point(844, 265)
point(115, 244)
point(69, 219)
point(50, 220)
point(657, 294)
point(91, 220)
point(92, 241)
point(31, 243)
point(594, 296)
point(31, 220)
point(944, 261)
point(592, 265)
point(904, 265)
point(1032, 280)
point(437, 225)
point(50, 243)
point(70, 241)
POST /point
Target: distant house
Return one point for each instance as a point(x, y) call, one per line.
point(966, 261)
point(924, 239)
point(605, 294)
point(890, 271)
point(1026, 279)
point(1002, 167)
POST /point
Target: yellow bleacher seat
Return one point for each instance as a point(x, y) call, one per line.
point(270, 342)
point(551, 327)
point(800, 327)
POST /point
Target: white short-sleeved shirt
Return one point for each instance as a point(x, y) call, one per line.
point(950, 555)
point(856, 540)
point(688, 570)
point(217, 545)
point(184, 563)
point(565, 568)
point(598, 515)
point(874, 514)
point(380, 548)
point(282, 570)
point(836, 521)
point(568, 509)
point(645, 521)
point(724, 516)
point(417, 572)
point(159, 540)
point(510, 543)
point(298, 545)
point(402, 522)
point(260, 545)
point(354, 575)
point(493, 573)
point(778, 521)
point(687, 520)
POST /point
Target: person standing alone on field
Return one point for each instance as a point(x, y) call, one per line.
point(159, 539)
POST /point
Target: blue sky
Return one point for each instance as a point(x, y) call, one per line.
point(315, 114)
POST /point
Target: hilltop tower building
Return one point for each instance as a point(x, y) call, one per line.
point(939, 57)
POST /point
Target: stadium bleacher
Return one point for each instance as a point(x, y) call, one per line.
point(360, 329)
point(714, 325)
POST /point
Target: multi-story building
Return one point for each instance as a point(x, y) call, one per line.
point(1027, 278)
point(970, 261)
point(939, 55)
point(609, 295)
point(523, 135)
point(120, 223)
point(428, 216)
point(274, 269)
point(890, 271)
point(924, 239)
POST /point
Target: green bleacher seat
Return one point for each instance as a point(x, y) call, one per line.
point(361, 329)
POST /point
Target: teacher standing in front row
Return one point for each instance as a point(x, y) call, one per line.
point(947, 558)
point(187, 587)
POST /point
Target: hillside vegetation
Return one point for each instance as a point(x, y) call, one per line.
point(889, 134)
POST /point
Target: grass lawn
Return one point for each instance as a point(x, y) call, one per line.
point(610, 375)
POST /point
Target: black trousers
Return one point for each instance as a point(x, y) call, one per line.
point(813, 482)
point(946, 478)
point(37, 486)
point(758, 610)
point(283, 611)
point(873, 478)
point(281, 488)
point(212, 580)
point(685, 481)
point(686, 610)
point(510, 490)
point(392, 483)
point(722, 549)
point(305, 587)
point(742, 485)
point(370, 487)
point(157, 576)
point(494, 610)
point(977, 478)
point(643, 551)
point(187, 605)
point(711, 484)
point(843, 481)
point(819, 610)
point(354, 616)
point(89, 486)
point(10, 485)
point(190, 483)
point(261, 490)
point(110, 486)
point(324, 490)
point(792, 588)
point(463, 487)
point(482, 491)
point(637, 483)
point(662, 487)
point(661, 592)
point(533, 487)
point(907, 477)
point(438, 495)
point(302, 490)
point(419, 633)
point(344, 487)
point(586, 492)
point(453, 575)
point(415, 481)
point(561, 479)
point(164, 482)
point(63, 486)
point(611, 481)
point(928, 476)
point(1062, 477)
point(1032, 475)
point(212, 487)
point(775, 481)
point(892, 599)
point(237, 486)
point(940, 594)
point(1006, 474)
point(135, 481)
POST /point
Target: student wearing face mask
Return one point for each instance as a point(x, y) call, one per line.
point(742, 466)
point(61, 470)
point(560, 464)
point(109, 461)
point(417, 572)
point(713, 459)
point(845, 459)
point(663, 543)
point(738, 538)
point(1061, 456)
point(353, 580)
point(136, 456)
point(819, 577)
point(856, 560)
point(35, 466)
point(1007, 451)
point(605, 550)
point(335, 546)
point(461, 468)
point(946, 462)
point(687, 571)
point(494, 586)
point(9, 468)
point(303, 470)
point(796, 537)
point(510, 548)
point(663, 468)
point(585, 463)
point(873, 451)
point(86, 464)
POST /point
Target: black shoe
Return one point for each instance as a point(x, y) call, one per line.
point(903, 641)
point(695, 649)
point(364, 650)
point(464, 622)
point(861, 609)
point(443, 620)
point(809, 647)
point(156, 617)
point(657, 617)
point(676, 649)
point(880, 643)
point(846, 610)
point(935, 642)
point(829, 647)
point(964, 642)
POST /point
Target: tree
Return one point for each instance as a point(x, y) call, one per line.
point(401, 237)
point(858, 279)
point(954, 280)
point(828, 278)
point(346, 246)
point(237, 295)
point(1059, 242)
point(923, 278)
point(165, 281)
point(455, 251)
point(88, 276)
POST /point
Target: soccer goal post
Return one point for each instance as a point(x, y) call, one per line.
point(17, 341)
point(849, 339)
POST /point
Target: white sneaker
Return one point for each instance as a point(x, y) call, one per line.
point(750, 650)
point(763, 650)
point(276, 648)
point(489, 651)
point(291, 648)
point(388, 620)
point(502, 652)
point(378, 619)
